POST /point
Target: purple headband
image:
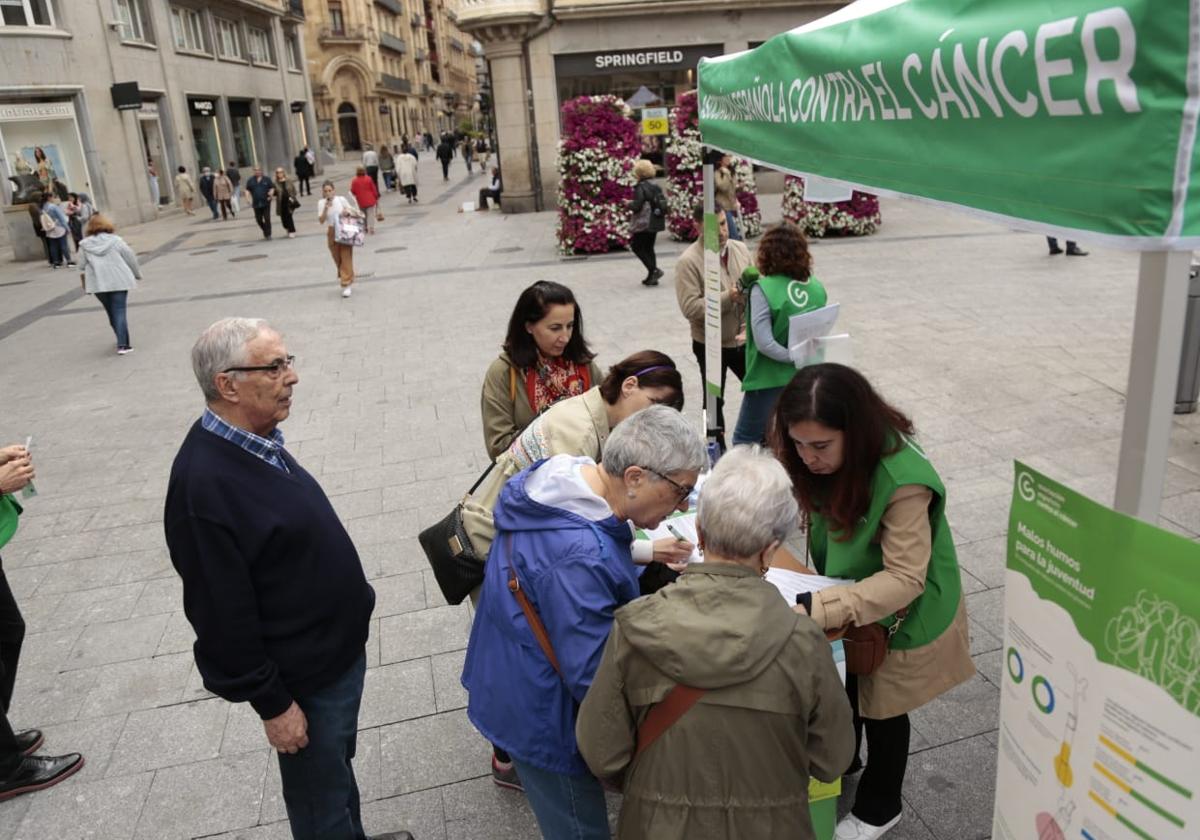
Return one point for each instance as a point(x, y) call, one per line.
point(642, 373)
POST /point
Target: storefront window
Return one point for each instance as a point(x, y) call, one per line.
point(242, 127)
point(26, 13)
point(41, 141)
point(205, 137)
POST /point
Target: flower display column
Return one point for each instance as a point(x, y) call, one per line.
point(685, 174)
point(599, 145)
point(750, 224)
point(859, 216)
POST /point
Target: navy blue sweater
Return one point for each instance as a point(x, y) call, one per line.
point(272, 584)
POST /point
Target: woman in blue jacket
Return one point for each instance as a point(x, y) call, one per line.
point(563, 533)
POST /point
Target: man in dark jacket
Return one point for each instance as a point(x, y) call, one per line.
point(260, 191)
point(235, 178)
point(272, 584)
point(445, 153)
point(207, 189)
point(304, 172)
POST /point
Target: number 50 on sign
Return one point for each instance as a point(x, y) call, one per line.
point(654, 121)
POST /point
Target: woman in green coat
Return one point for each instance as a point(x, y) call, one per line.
point(877, 515)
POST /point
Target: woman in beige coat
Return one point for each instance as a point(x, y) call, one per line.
point(735, 766)
point(877, 515)
point(545, 359)
point(223, 193)
point(185, 188)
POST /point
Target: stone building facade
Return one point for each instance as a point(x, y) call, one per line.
point(92, 92)
point(384, 69)
point(559, 49)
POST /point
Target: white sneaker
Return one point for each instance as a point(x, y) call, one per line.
point(852, 828)
point(346, 292)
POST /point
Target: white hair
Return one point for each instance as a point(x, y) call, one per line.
point(746, 503)
point(657, 438)
point(222, 346)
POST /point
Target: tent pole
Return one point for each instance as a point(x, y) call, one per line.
point(712, 309)
point(1153, 370)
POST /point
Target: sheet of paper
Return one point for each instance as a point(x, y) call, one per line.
point(790, 584)
point(685, 524)
point(809, 325)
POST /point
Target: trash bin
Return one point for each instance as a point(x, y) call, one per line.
point(1188, 389)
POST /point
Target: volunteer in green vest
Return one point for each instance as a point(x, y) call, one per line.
point(785, 287)
point(20, 770)
point(877, 515)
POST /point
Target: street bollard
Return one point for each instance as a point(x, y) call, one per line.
point(1188, 390)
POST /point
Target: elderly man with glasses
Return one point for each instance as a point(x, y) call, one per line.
point(272, 584)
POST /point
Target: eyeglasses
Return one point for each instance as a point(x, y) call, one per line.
point(682, 490)
point(273, 370)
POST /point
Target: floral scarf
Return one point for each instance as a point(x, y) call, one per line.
point(551, 380)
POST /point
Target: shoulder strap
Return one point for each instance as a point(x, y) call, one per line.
point(531, 615)
point(665, 713)
point(512, 383)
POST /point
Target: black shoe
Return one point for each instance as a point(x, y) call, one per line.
point(1054, 251)
point(38, 772)
point(29, 741)
point(658, 272)
point(1076, 252)
point(650, 281)
point(392, 835)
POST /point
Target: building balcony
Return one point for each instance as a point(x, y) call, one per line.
point(393, 6)
point(295, 8)
point(426, 90)
point(394, 84)
point(456, 44)
point(390, 42)
point(416, 19)
point(343, 35)
point(473, 14)
point(420, 54)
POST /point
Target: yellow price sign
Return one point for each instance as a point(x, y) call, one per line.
point(654, 121)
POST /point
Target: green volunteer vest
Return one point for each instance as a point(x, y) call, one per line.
point(786, 297)
point(861, 556)
point(9, 511)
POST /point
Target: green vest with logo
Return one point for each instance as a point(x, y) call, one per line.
point(786, 297)
point(861, 556)
point(9, 511)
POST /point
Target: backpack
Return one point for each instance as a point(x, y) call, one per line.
point(47, 222)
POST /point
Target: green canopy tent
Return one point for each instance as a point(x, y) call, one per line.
point(1072, 118)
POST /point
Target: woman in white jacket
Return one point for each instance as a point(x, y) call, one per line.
point(406, 167)
point(110, 269)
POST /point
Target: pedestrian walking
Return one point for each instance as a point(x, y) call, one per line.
point(152, 175)
point(387, 166)
point(235, 179)
point(34, 207)
point(649, 208)
point(406, 170)
point(725, 190)
point(689, 292)
point(544, 359)
point(784, 288)
point(559, 568)
point(445, 153)
point(56, 225)
point(492, 190)
point(339, 215)
point(73, 208)
point(482, 153)
point(208, 189)
point(876, 509)
point(468, 153)
point(370, 162)
point(304, 172)
point(223, 192)
point(260, 190)
point(1073, 250)
point(21, 771)
point(272, 584)
point(285, 202)
point(186, 190)
point(778, 711)
point(109, 271)
point(367, 195)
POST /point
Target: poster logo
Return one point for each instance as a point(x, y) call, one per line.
point(1025, 486)
point(797, 293)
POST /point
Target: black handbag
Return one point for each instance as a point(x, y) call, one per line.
point(456, 565)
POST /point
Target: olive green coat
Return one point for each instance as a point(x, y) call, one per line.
point(505, 406)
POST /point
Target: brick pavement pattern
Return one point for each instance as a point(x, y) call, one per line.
point(998, 350)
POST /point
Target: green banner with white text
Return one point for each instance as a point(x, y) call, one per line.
point(1100, 673)
point(1069, 116)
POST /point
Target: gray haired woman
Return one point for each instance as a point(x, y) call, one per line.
point(771, 710)
point(563, 534)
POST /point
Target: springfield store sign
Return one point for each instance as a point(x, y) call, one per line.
point(621, 61)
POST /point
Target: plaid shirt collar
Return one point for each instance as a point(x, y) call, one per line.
point(266, 449)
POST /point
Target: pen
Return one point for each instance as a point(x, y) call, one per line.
point(675, 533)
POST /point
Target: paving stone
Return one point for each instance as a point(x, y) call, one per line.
point(178, 637)
point(989, 665)
point(392, 558)
point(1184, 510)
point(952, 788)
point(423, 633)
point(43, 699)
point(273, 808)
point(430, 751)
point(479, 810)
point(397, 692)
point(94, 738)
point(420, 813)
point(138, 684)
point(447, 680)
point(985, 559)
point(163, 595)
point(117, 641)
point(145, 565)
point(354, 505)
point(203, 798)
point(395, 594)
point(243, 731)
point(274, 831)
point(77, 575)
point(433, 592)
point(95, 606)
point(969, 709)
point(173, 735)
point(101, 809)
point(194, 689)
point(383, 527)
point(986, 609)
point(43, 653)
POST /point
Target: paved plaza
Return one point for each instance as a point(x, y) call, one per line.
point(998, 350)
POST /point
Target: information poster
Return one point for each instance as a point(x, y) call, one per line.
point(1100, 698)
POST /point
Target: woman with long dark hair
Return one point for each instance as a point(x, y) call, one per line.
point(545, 359)
point(784, 288)
point(876, 512)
